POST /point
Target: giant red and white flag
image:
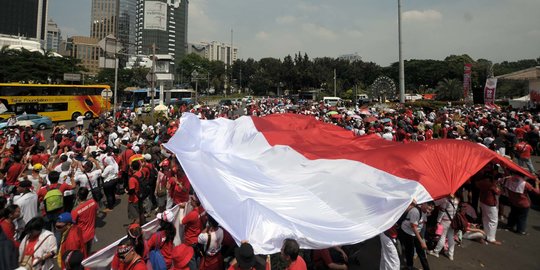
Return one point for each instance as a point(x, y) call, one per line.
point(290, 176)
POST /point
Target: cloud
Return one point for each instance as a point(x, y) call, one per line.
point(199, 19)
point(262, 35)
point(534, 33)
point(286, 20)
point(422, 16)
point(307, 7)
point(468, 17)
point(318, 31)
point(69, 32)
point(353, 33)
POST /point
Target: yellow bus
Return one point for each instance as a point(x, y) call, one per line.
point(57, 101)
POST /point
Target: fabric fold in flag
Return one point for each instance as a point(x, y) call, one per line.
point(290, 176)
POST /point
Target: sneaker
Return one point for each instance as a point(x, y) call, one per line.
point(451, 257)
point(433, 253)
point(498, 243)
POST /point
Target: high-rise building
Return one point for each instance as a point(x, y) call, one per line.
point(87, 50)
point(163, 23)
point(116, 18)
point(54, 36)
point(26, 18)
point(103, 18)
point(215, 50)
point(127, 13)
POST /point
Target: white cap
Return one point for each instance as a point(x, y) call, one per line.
point(147, 156)
point(167, 216)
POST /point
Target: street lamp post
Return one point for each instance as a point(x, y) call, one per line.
point(401, 63)
point(194, 75)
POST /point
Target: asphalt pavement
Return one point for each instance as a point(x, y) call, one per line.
point(516, 251)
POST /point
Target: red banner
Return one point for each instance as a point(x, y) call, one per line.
point(467, 80)
point(489, 91)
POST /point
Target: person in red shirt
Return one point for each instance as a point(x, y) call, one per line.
point(489, 193)
point(520, 202)
point(71, 236)
point(524, 150)
point(135, 237)
point(520, 131)
point(128, 258)
point(14, 170)
point(7, 216)
point(40, 156)
point(123, 165)
point(192, 222)
point(84, 215)
point(54, 176)
point(164, 237)
point(289, 253)
point(134, 207)
point(178, 186)
point(181, 257)
point(429, 133)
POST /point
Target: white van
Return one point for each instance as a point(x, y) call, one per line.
point(331, 101)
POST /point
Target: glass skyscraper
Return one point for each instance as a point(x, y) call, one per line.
point(163, 23)
point(25, 18)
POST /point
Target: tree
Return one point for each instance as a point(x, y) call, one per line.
point(26, 66)
point(449, 89)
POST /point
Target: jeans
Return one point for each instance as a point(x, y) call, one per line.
point(526, 162)
point(410, 244)
point(518, 218)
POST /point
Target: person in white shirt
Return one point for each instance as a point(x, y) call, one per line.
point(27, 200)
point(111, 139)
point(109, 175)
point(42, 257)
point(388, 134)
point(447, 210)
point(80, 122)
point(410, 237)
point(211, 239)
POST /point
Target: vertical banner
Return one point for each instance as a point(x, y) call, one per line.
point(489, 91)
point(534, 95)
point(467, 81)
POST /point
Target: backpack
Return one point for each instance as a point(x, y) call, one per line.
point(394, 230)
point(53, 200)
point(161, 184)
point(459, 221)
point(144, 187)
point(155, 257)
point(403, 217)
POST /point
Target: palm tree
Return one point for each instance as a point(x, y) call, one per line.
point(449, 89)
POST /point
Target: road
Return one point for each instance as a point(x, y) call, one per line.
point(516, 252)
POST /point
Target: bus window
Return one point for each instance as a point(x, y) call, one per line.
point(53, 107)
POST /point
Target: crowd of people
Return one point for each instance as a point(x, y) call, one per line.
point(54, 189)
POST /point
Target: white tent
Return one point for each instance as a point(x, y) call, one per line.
point(519, 103)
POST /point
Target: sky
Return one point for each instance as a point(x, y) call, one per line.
point(497, 30)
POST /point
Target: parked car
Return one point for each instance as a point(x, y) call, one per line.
point(39, 122)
